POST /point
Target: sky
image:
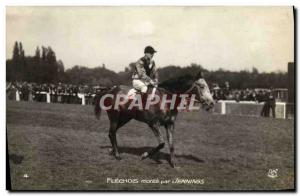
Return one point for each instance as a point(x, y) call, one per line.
point(231, 38)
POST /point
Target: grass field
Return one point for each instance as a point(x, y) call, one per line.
point(63, 147)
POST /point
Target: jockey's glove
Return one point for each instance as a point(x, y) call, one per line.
point(153, 83)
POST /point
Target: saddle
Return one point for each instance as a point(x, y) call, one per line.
point(133, 92)
point(129, 91)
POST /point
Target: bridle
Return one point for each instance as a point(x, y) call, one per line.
point(196, 86)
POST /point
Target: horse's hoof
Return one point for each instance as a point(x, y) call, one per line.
point(174, 166)
point(118, 157)
point(111, 152)
point(144, 155)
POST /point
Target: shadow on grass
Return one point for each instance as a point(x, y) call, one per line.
point(16, 159)
point(138, 151)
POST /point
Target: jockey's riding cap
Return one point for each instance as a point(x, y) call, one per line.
point(149, 49)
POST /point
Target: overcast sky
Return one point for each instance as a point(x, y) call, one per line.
point(232, 38)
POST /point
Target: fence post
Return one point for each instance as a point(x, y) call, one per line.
point(48, 97)
point(83, 100)
point(17, 95)
point(223, 107)
point(284, 110)
point(82, 97)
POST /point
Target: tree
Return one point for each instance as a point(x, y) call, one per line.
point(18, 63)
point(60, 71)
point(44, 53)
point(254, 70)
point(37, 55)
point(21, 51)
point(16, 53)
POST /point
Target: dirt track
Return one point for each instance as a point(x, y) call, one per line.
point(63, 147)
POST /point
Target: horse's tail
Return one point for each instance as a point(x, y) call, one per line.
point(97, 108)
point(97, 98)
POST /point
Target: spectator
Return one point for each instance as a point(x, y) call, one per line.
point(271, 102)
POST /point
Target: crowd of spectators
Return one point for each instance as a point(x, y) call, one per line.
point(226, 93)
point(258, 95)
point(59, 93)
point(267, 96)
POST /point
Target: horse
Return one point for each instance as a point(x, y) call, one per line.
point(154, 116)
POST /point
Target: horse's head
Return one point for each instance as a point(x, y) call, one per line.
point(202, 92)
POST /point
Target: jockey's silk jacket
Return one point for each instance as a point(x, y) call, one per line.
point(145, 70)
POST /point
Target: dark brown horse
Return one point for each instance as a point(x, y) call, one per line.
point(155, 116)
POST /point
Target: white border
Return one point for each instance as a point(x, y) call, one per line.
point(4, 3)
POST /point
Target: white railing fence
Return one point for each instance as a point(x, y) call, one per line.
point(252, 108)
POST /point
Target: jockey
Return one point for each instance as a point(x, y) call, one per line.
point(145, 71)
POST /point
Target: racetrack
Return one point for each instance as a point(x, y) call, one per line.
point(63, 147)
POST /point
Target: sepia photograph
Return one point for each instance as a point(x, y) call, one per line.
point(150, 98)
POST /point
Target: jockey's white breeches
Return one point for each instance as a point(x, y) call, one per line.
point(139, 85)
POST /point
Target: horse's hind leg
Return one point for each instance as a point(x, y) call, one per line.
point(114, 126)
point(170, 132)
point(113, 139)
point(161, 143)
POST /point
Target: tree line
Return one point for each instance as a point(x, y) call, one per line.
point(44, 67)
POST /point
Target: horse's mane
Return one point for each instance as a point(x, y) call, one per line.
point(177, 85)
point(164, 91)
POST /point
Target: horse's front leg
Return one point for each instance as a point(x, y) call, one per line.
point(170, 134)
point(155, 127)
point(113, 140)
